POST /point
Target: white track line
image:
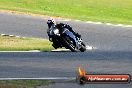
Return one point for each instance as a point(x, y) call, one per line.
point(56, 50)
point(46, 78)
point(109, 24)
point(87, 48)
point(21, 51)
point(60, 50)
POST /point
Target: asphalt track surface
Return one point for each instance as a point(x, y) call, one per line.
point(113, 53)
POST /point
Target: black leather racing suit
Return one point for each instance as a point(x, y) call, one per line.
point(59, 26)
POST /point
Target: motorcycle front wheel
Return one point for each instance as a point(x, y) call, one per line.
point(69, 44)
point(83, 47)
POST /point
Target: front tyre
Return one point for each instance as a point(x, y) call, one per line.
point(82, 80)
point(69, 45)
point(83, 47)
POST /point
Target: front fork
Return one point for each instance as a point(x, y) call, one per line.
point(78, 43)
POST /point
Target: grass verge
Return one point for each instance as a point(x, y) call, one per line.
point(24, 83)
point(114, 11)
point(24, 44)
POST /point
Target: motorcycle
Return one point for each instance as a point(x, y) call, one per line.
point(67, 39)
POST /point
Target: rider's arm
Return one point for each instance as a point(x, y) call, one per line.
point(66, 26)
point(70, 29)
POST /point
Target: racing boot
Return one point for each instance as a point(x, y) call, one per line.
point(55, 46)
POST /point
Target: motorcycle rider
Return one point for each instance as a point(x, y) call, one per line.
point(52, 25)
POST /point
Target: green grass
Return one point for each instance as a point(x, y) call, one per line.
point(21, 44)
point(114, 11)
point(24, 83)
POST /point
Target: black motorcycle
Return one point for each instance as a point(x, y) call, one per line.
point(65, 38)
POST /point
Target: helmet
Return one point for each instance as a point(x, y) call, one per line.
point(51, 21)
